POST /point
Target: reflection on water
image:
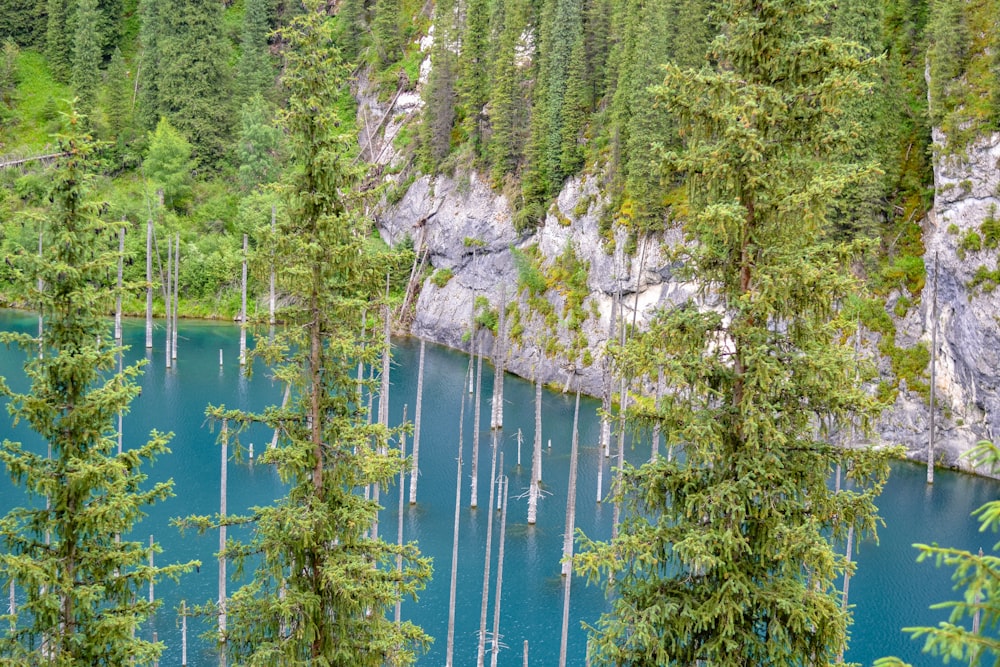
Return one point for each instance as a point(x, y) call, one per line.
point(889, 591)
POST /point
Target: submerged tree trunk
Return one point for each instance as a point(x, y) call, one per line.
point(536, 456)
point(270, 301)
point(656, 422)
point(222, 536)
point(383, 397)
point(177, 293)
point(415, 470)
point(499, 589)
point(934, 328)
point(450, 651)
point(118, 294)
point(399, 528)
point(496, 415)
point(481, 646)
point(567, 564)
point(243, 307)
point(474, 483)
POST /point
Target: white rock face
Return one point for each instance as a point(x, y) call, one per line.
point(443, 213)
point(967, 191)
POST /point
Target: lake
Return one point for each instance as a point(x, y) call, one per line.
point(890, 590)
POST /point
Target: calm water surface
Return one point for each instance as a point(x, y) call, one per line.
point(889, 591)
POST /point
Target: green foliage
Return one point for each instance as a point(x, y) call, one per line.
point(254, 72)
point(8, 75)
point(23, 22)
point(529, 276)
point(725, 554)
point(308, 549)
point(441, 277)
point(486, 316)
point(386, 34)
point(258, 145)
point(977, 576)
point(70, 552)
point(87, 54)
point(906, 271)
point(985, 279)
point(168, 165)
point(58, 43)
point(971, 242)
point(193, 82)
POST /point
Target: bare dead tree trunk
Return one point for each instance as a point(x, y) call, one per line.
point(383, 398)
point(399, 528)
point(243, 308)
point(481, 646)
point(415, 470)
point(567, 564)
point(177, 292)
point(536, 456)
point(622, 406)
point(270, 302)
point(497, 596)
point(454, 545)
point(656, 423)
point(184, 634)
point(496, 415)
point(222, 535)
point(149, 284)
point(934, 328)
point(168, 307)
point(118, 294)
point(474, 482)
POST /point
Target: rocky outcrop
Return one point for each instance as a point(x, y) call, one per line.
point(967, 371)
point(466, 229)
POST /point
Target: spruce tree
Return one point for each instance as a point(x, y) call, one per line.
point(87, 54)
point(148, 110)
point(725, 555)
point(58, 41)
point(387, 36)
point(69, 550)
point(168, 164)
point(474, 81)
point(258, 145)
point(118, 116)
point(439, 94)
point(193, 76)
point(321, 586)
point(254, 73)
point(507, 105)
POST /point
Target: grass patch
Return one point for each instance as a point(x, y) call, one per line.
point(39, 99)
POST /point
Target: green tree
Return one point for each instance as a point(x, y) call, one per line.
point(87, 53)
point(147, 73)
point(978, 577)
point(350, 28)
point(508, 110)
point(58, 42)
point(725, 555)
point(322, 585)
point(386, 34)
point(254, 72)
point(118, 116)
point(258, 145)
point(440, 94)
point(193, 76)
point(68, 551)
point(474, 71)
point(168, 164)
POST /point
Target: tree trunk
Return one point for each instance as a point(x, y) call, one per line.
point(481, 647)
point(168, 306)
point(450, 651)
point(243, 307)
point(536, 456)
point(222, 534)
point(496, 415)
point(656, 423)
point(415, 470)
point(270, 301)
point(118, 294)
point(474, 499)
point(149, 284)
point(934, 328)
point(177, 292)
point(399, 528)
point(499, 589)
point(567, 564)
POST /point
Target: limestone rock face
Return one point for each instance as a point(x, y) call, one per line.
point(466, 228)
point(967, 192)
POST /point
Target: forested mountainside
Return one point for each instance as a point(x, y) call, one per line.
point(542, 109)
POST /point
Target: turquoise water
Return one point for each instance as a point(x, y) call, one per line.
point(890, 590)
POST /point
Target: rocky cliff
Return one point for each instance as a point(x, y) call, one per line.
point(465, 228)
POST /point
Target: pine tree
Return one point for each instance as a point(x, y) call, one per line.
point(258, 145)
point(58, 42)
point(440, 94)
point(350, 28)
point(321, 586)
point(386, 33)
point(507, 104)
point(69, 550)
point(87, 54)
point(193, 76)
point(475, 72)
point(119, 120)
point(148, 68)
point(254, 73)
point(725, 555)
